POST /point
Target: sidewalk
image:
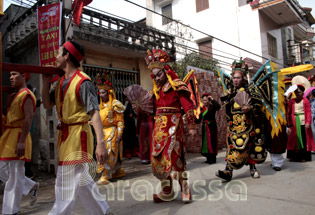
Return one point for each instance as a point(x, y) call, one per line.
point(290, 191)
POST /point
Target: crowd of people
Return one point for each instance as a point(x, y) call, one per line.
point(125, 129)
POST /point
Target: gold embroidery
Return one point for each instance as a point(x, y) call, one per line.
point(236, 157)
point(160, 123)
point(239, 123)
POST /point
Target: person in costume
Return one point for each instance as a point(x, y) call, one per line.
point(276, 146)
point(130, 140)
point(170, 96)
point(112, 116)
point(145, 125)
point(209, 148)
point(76, 103)
point(300, 137)
point(311, 98)
point(244, 142)
point(16, 145)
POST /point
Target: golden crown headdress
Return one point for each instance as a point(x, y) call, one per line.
point(103, 81)
point(240, 66)
point(156, 59)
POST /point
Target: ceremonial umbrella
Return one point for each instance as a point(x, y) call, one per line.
point(308, 91)
point(296, 69)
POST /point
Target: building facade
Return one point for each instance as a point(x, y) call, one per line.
point(112, 44)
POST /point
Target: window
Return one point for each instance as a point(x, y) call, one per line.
point(272, 45)
point(205, 48)
point(167, 11)
point(202, 5)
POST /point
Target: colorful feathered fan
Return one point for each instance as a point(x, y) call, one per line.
point(137, 95)
point(242, 98)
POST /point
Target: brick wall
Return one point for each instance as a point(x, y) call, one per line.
point(208, 83)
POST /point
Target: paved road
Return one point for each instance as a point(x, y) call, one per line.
point(290, 191)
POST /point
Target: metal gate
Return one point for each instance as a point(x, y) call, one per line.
point(120, 78)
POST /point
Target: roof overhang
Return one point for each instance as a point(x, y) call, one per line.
point(282, 12)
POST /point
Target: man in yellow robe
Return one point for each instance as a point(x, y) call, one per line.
point(16, 145)
point(112, 115)
point(76, 103)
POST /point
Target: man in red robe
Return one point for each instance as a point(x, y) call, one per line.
point(171, 99)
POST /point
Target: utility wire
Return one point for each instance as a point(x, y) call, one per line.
point(192, 49)
point(197, 30)
point(202, 32)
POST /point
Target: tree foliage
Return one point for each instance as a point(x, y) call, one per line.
point(195, 60)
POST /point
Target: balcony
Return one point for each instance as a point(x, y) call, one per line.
point(282, 12)
point(303, 32)
point(99, 31)
point(135, 38)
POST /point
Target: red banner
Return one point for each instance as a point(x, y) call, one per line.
point(49, 32)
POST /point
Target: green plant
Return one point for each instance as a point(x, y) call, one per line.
point(195, 60)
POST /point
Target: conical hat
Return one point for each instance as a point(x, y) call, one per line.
point(301, 80)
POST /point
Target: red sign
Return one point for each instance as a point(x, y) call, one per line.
point(49, 32)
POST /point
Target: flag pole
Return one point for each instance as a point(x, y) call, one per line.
point(1, 119)
point(71, 16)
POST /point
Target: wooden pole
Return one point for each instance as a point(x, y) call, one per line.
point(1, 8)
point(1, 119)
point(7, 67)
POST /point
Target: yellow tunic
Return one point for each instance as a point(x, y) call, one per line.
point(113, 124)
point(75, 138)
point(15, 120)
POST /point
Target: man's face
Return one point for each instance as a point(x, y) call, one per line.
point(16, 79)
point(237, 80)
point(159, 76)
point(104, 95)
point(61, 60)
point(299, 93)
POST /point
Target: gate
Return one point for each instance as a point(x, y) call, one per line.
point(120, 78)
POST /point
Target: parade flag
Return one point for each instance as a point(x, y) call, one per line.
point(77, 7)
point(192, 84)
point(49, 32)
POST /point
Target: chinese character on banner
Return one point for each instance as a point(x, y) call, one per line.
point(49, 32)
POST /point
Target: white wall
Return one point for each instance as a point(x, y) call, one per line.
point(239, 26)
point(267, 26)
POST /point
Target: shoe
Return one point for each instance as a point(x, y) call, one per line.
point(185, 191)
point(253, 172)
point(119, 173)
point(33, 194)
point(135, 152)
point(103, 180)
point(167, 193)
point(163, 196)
point(276, 168)
point(226, 175)
point(108, 212)
point(145, 162)
point(128, 155)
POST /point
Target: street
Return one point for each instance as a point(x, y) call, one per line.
point(290, 191)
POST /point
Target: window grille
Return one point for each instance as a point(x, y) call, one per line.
point(120, 78)
point(272, 45)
